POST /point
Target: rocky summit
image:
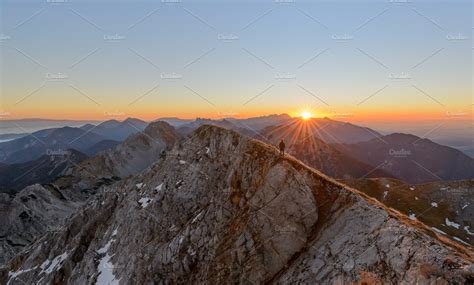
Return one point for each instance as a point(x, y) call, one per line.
point(220, 208)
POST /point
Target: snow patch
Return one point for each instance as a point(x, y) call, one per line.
point(114, 233)
point(106, 274)
point(144, 202)
point(466, 229)
point(434, 204)
point(182, 162)
point(385, 193)
point(53, 266)
point(387, 185)
point(451, 224)
point(412, 217)
point(460, 240)
point(416, 198)
point(12, 275)
point(139, 185)
point(106, 247)
point(159, 187)
point(208, 150)
point(464, 207)
point(438, 231)
point(412, 188)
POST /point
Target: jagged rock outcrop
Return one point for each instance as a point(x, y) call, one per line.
point(32, 212)
point(222, 209)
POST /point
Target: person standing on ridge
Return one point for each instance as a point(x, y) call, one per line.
point(282, 148)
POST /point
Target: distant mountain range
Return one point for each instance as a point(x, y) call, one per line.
point(45, 169)
point(412, 159)
point(219, 208)
point(116, 130)
point(303, 141)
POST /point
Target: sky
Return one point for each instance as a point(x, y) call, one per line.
point(362, 61)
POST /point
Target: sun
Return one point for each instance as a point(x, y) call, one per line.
point(306, 115)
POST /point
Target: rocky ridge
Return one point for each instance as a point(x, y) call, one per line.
point(222, 208)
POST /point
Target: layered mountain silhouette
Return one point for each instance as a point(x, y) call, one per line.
point(223, 208)
point(39, 143)
point(38, 208)
point(412, 159)
point(301, 142)
point(116, 130)
point(43, 170)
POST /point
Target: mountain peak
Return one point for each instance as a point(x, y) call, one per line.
point(225, 208)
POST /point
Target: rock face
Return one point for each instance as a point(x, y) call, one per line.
point(222, 209)
point(32, 212)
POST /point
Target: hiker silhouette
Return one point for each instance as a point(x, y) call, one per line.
point(282, 148)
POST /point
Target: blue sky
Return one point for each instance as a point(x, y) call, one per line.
point(338, 57)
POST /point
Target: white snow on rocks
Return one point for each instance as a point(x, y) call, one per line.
point(385, 193)
point(145, 201)
point(159, 187)
point(451, 224)
point(438, 231)
point(106, 274)
point(464, 207)
point(466, 229)
point(49, 267)
point(434, 204)
point(139, 185)
point(12, 275)
point(412, 217)
point(182, 162)
point(460, 240)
